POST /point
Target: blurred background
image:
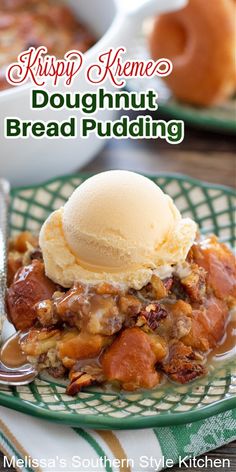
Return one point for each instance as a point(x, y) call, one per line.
point(204, 155)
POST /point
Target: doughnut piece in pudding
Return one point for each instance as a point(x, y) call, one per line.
point(30, 286)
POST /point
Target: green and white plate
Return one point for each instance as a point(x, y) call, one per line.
point(213, 208)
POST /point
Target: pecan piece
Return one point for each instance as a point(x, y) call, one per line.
point(182, 365)
point(168, 282)
point(130, 306)
point(195, 283)
point(78, 381)
point(152, 314)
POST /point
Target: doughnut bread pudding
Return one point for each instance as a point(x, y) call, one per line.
point(120, 290)
point(25, 23)
point(200, 40)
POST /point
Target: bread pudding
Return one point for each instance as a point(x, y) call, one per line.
point(129, 335)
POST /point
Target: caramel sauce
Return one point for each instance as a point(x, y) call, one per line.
point(11, 354)
point(227, 347)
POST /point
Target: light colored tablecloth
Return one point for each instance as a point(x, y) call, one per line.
point(44, 446)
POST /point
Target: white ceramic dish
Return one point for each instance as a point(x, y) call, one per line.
point(31, 160)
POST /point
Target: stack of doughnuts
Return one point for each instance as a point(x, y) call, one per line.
point(200, 40)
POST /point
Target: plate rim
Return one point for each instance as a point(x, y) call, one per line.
point(173, 175)
point(196, 118)
point(104, 421)
point(110, 423)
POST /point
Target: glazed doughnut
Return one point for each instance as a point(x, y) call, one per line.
point(200, 42)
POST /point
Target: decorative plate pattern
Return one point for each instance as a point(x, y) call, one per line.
point(213, 208)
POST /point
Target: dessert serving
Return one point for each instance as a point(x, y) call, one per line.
point(120, 290)
point(26, 23)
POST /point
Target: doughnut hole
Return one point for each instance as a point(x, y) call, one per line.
point(175, 43)
point(199, 39)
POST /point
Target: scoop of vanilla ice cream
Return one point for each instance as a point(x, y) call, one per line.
point(116, 227)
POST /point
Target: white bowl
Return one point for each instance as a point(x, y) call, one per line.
point(33, 160)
